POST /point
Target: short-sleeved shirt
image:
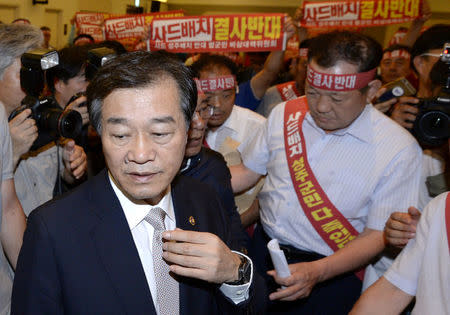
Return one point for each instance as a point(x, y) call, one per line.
point(423, 267)
point(368, 170)
point(245, 96)
point(231, 138)
point(6, 172)
point(35, 177)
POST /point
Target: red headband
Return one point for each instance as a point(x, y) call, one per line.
point(225, 82)
point(399, 53)
point(303, 52)
point(339, 82)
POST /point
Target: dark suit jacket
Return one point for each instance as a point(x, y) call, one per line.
point(79, 257)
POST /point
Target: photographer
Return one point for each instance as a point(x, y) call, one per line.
point(424, 54)
point(36, 172)
point(68, 79)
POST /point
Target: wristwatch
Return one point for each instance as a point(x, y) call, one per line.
point(244, 272)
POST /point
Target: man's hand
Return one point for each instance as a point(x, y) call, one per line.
point(401, 227)
point(289, 28)
point(23, 133)
point(405, 112)
point(384, 106)
point(304, 276)
point(75, 162)
point(200, 255)
point(75, 105)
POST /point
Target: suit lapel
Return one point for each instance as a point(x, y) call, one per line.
point(117, 251)
point(188, 217)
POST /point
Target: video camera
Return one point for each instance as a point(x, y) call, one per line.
point(432, 124)
point(52, 121)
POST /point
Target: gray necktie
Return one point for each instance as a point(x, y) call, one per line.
point(166, 286)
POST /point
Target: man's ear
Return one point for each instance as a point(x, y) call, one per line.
point(418, 64)
point(374, 86)
point(58, 84)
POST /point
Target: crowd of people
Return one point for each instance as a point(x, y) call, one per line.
point(183, 169)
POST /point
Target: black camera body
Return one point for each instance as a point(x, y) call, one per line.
point(432, 123)
point(51, 120)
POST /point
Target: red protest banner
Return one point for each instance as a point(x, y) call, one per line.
point(359, 13)
point(90, 18)
point(243, 32)
point(91, 23)
point(130, 29)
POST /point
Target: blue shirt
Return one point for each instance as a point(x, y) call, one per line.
point(245, 97)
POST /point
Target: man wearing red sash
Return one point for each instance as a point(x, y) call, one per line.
point(336, 168)
point(289, 90)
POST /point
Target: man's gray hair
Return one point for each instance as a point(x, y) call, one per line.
point(15, 40)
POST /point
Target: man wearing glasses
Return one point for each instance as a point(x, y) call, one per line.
point(209, 167)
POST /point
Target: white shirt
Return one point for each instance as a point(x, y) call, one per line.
point(142, 233)
point(368, 170)
point(423, 267)
point(240, 126)
point(35, 176)
point(230, 139)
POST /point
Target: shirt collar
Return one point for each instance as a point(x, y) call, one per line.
point(135, 212)
point(360, 128)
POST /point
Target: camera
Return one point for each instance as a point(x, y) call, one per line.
point(397, 88)
point(96, 58)
point(432, 124)
point(52, 121)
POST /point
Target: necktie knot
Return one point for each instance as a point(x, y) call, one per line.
point(156, 217)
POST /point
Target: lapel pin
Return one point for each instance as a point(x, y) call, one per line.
point(191, 220)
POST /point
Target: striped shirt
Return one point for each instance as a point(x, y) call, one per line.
point(368, 170)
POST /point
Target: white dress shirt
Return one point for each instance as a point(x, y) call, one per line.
point(368, 170)
point(423, 266)
point(142, 233)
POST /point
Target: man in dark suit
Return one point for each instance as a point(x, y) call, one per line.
point(95, 250)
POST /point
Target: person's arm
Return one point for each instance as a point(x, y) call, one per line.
point(274, 62)
point(75, 162)
point(242, 177)
point(401, 227)
point(416, 25)
point(13, 222)
point(381, 298)
point(304, 276)
point(251, 215)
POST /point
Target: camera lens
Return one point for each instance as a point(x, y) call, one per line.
point(435, 125)
point(70, 124)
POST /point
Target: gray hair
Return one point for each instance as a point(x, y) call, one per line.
point(138, 70)
point(15, 40)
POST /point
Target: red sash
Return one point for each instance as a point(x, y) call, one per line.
point(447, 218)
point(288, 91)
point(326, 219)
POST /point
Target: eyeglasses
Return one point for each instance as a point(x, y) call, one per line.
point(431, 54)
point(205, 112)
